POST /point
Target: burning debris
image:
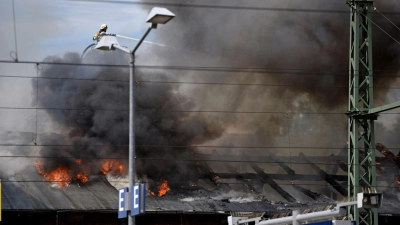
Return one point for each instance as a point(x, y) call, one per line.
point(395, 159)
point(163, 188)
point(61, 176)
point(392, 170)
point(113, 166)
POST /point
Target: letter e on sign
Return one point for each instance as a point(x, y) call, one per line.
point(138, 198)
point(122, 212)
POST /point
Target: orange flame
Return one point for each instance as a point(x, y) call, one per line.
point(162, 189)
point(398, 180)
point(82, 177)
point(63, 176)
point(378, 163)
point(111, 165)
point(60, 176)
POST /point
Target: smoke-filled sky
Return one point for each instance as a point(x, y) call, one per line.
point(305, 52)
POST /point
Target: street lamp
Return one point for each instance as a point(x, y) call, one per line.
point(157, 16)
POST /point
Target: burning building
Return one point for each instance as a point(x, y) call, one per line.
point(207, 197)
point(197, 148)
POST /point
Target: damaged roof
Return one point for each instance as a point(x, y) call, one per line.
point(98, 194)
point(20, 193)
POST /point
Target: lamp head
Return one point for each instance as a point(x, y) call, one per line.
point(159, 16)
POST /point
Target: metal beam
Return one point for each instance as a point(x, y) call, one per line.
point(314, 195)
point(288, 170)
point(340, 163)
point(211, 175)
point(243, 180)
point(383, 108)
point(338, 187)
point(268, 180)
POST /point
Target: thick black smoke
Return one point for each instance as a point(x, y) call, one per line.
point(310, 55)
point(307, 54)
point(312, 49)
point(94, 116)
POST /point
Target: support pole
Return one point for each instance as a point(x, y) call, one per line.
point(132, 153)
point(308, 216)
point(144, 36)
point(132, 87)
point(295, 213)
point(361, 134)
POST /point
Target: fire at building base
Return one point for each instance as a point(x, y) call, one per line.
point(207, 198)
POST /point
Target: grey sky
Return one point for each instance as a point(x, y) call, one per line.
point(53, 27)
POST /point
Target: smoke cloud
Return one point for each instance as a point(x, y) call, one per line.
point(94, 116)
point(307, 54)
point(306, 58)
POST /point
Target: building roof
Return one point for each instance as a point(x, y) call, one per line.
point(98, 194)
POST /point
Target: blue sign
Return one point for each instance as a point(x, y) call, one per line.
point(322, 223)
point(138, 199)
point(122, 203)
point(334, 222)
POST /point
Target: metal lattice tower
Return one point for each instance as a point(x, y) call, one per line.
point(361, 112)
point(360, 123)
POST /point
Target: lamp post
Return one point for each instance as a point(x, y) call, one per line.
point(157, 16)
